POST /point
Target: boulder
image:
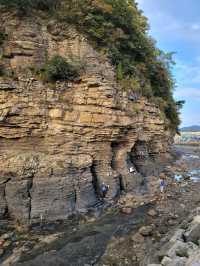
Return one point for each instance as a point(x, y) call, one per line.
point(196, 219)
point(173, 249)
point(178, 235)
point(191, 248)
point(192, 234)
point(173, 262)
point(187, 250)
point(194, 260)
point(178, 262)
point(166, 261)
point(146, 230)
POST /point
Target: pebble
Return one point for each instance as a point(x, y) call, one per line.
point(152, 213)
point(127, 210)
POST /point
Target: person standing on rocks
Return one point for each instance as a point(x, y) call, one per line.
point(162, 183)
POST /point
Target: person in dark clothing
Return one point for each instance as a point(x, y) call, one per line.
point(104, 190)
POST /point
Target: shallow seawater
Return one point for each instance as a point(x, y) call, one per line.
point(178, 177)
point(190, 156)
point(195, 175)
point(195, 172)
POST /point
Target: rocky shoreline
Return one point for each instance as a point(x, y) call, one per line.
point(131, 232)
point(183, 247)
point(174, 213)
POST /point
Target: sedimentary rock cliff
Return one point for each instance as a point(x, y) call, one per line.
point(60, 141)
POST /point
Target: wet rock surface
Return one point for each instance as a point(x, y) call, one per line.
point(154, 233)
point(174, 234)
point(80, 244)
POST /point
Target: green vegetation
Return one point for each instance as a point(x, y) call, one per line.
point(119, 29)
point(24, 6)
point(59, 68)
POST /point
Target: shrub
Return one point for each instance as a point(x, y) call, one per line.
point(59, 68)
point(120, 29)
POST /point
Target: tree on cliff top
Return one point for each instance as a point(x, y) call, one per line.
point(119, 29)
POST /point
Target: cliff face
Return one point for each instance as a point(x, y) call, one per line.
point(60, 141)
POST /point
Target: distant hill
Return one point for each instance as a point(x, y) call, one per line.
point(194, 128)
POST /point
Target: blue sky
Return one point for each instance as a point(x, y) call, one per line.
point(175, 25)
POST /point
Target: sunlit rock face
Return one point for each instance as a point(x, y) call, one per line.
point(59, 142)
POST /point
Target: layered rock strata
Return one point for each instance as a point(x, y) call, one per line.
point(60, 141)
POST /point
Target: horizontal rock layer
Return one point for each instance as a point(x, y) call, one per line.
point(60, 141)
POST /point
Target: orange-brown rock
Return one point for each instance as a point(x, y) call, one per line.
point(59, 142)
